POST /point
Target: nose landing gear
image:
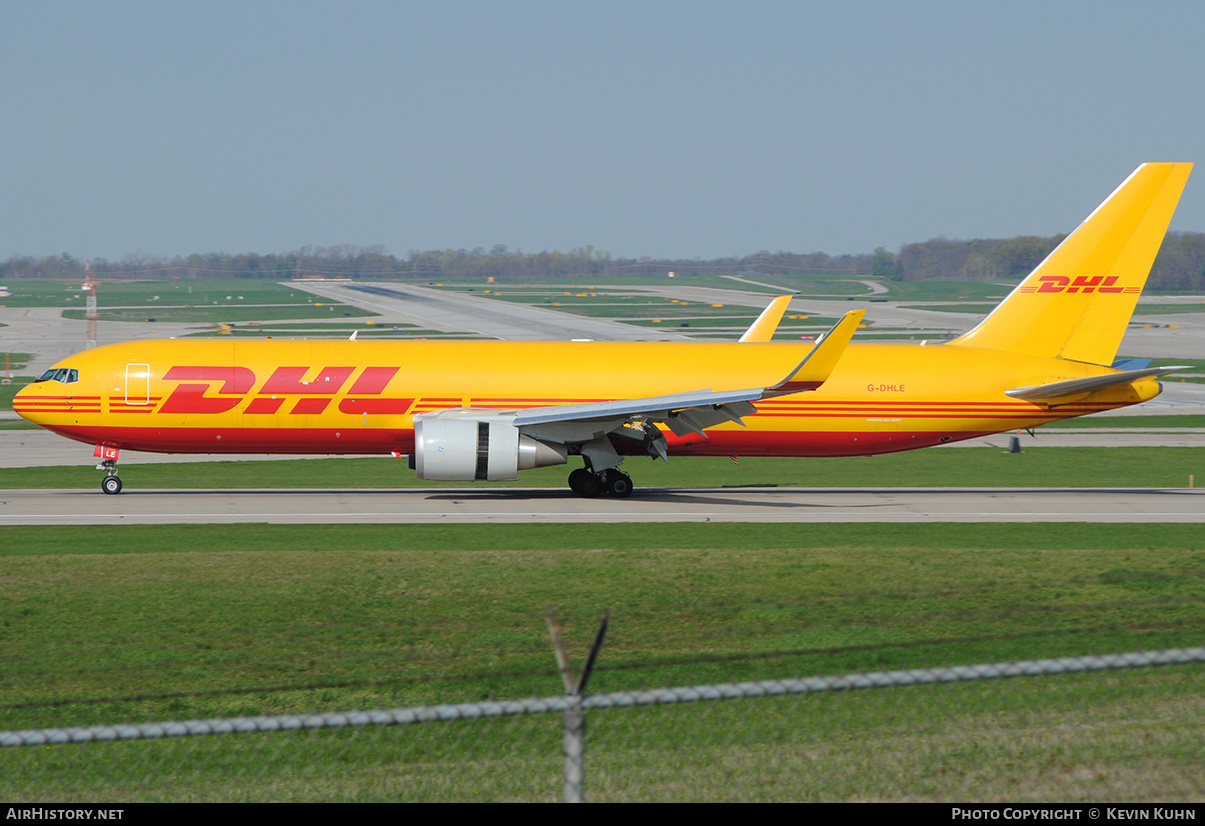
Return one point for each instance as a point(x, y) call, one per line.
point(111, 484)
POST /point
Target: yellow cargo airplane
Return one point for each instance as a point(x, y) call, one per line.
point(484, 410)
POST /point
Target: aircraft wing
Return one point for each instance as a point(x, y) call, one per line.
point(809, 374)
point(650, 407)
point(1060, 389)
point(592, 425)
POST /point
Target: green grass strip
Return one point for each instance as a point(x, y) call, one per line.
point(226, 313)
point(1077, 467)
point(1165, 422)
point(151, 539)
point(213, 620)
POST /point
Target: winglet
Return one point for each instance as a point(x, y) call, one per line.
point(762, 330)
point(816, 366)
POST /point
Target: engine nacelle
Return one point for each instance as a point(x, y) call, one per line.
point(464, 449)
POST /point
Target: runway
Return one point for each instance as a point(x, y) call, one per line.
point(533, 505)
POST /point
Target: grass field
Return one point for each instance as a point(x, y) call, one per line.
point(1168, 309)
point(281, 616)
point(383, 331)
point(946, 291)
point(1142, 467)
point(805, 284)
point(16, 361)
point(225, 313)
point(972, 309)
point(736, 325)
point(984, 309)
point(122, 624)
point(1165, 422)
point(200, 300)
point(1195, 375)
point(8, 391)
point(39, 292)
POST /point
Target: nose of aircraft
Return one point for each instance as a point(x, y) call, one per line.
point(25, 403)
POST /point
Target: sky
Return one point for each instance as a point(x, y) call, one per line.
point(666, 129)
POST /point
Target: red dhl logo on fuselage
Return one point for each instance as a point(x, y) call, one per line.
point(1080, 284)
point(193, 395)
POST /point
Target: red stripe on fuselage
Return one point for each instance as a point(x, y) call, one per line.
point(303, 440)
point(375, 407)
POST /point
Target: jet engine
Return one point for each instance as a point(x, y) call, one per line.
point(464, 449)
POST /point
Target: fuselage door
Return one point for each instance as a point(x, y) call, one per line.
point(138, 384)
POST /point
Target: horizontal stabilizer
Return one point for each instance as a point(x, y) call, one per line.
point(1071, 387)
point(818, 364)
point(762, 330)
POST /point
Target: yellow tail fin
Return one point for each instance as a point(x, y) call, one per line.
point(1076, 304)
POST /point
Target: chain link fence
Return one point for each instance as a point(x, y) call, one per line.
point(1124, 726)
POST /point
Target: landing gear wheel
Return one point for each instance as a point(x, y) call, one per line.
point(111, 485)
point(590, 486)
point(619, 485)
point(575, 479)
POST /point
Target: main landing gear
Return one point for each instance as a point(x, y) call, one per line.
point(112, 482)
point(587, 484)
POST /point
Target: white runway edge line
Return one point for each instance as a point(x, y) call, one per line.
point(619, 699)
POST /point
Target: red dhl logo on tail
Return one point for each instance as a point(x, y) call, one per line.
point(197, 394)
point(1080, 284)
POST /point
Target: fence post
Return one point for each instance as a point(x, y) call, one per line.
point(574, 723)
point(574, 747)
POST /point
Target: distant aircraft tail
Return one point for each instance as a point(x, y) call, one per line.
point(1076, 304)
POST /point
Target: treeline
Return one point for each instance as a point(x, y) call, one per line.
point(374, 262)
point(984, 259)
point(1180, 265)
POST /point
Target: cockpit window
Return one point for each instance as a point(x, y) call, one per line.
point(63, 375)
